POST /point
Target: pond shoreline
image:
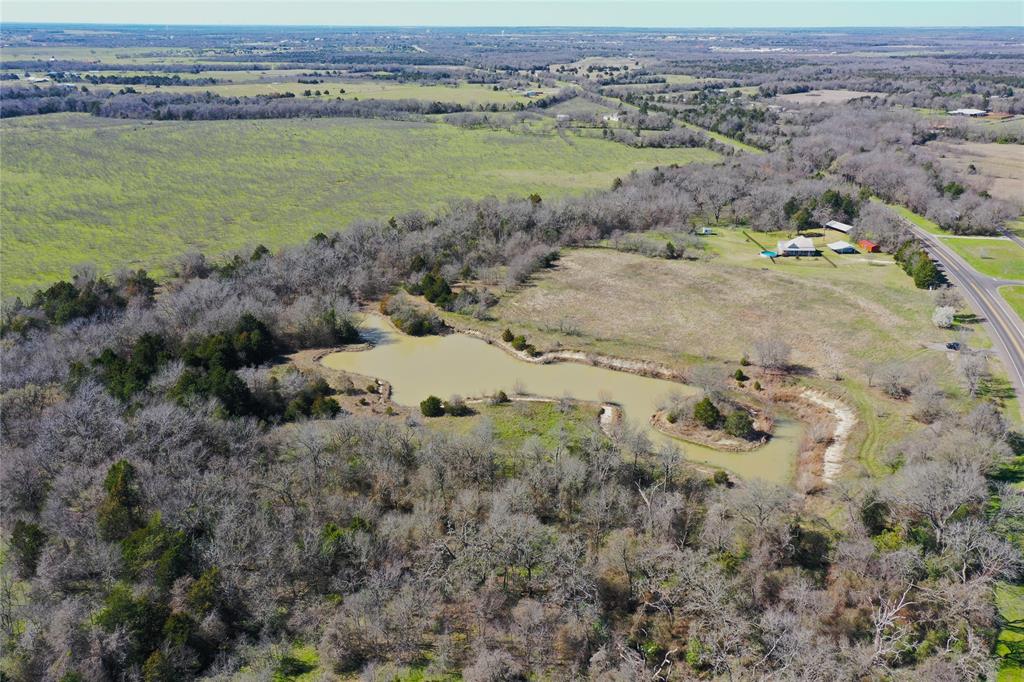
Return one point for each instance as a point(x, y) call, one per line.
point(817, 463)
point(810, 470)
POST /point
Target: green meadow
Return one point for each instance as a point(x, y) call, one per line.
point(995, 257)
point(119, 193)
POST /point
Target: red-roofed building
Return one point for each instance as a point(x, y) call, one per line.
point(868, 245)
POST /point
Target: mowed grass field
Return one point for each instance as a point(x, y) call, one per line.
point(139, 193)
point(995, 257)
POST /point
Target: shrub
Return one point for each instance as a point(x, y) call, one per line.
point(720, 477)
point(140, 619)
point(519, 343)
point(507, 336)
point(739, 424)
point(324, 408)
point(757, 385)
point(739, 375)
point(942, 316)
point(432, 407)
point(156, 549)
point(706, 414)
point(202, 595)
point(118, 514)
point(926, 274)
point(434, 288)
point(27, 542)
point(125, 377)
point(410, 319)
point(457, 407)
point(499, 398)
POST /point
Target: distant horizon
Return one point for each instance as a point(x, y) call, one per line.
point(506, 27)
point(533, 14)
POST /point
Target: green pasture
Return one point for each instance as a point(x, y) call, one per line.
point(1010, 647)
point(1001, 258)
point(1015, 297)
point(139, 193)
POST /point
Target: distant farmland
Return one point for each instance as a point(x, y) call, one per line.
point(139, 193)
point(827, 96)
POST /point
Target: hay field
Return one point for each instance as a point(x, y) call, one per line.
point(139, 193)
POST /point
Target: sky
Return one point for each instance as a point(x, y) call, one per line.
point(617, 13)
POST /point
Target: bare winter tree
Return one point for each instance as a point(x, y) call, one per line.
point(772, 353)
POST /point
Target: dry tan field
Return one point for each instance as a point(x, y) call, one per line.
point(826, 96)
point(999, 167)
point(683, 312)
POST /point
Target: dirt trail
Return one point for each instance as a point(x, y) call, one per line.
point(846, 419)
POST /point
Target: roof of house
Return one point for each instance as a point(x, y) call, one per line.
point(836, 225)
point(867, 241)
point(797, 244)
point(840, 246)
point(968, 112)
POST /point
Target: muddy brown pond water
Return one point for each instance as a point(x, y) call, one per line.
point(456, 364)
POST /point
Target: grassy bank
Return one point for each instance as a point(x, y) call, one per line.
point(139, 193)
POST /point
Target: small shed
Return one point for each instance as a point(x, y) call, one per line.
point(842, 247)
point(562, 117)
point(838, 226)
point(798, 246)
point(705, 231)
point(868, 245)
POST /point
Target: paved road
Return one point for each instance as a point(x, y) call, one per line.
point(982, 293)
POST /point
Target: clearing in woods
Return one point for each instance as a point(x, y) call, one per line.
point(997, 168)
point(139, 193)
point(827, 96)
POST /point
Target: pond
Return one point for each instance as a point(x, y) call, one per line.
point(456, 364)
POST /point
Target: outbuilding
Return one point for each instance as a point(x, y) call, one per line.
point(842, 247)
point(838, 226)
point(798, 246)
point(868, 245)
